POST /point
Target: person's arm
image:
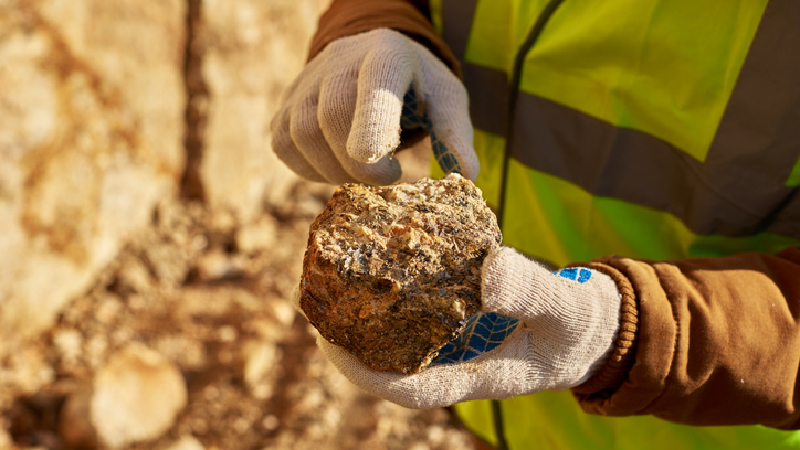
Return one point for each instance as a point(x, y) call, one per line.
point(717, 341)
point(699, 340)
point(410, 17)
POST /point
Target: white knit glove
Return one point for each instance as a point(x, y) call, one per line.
point(340, 120)
point(551, 331)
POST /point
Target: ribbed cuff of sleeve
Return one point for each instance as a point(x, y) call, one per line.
point(614, 372)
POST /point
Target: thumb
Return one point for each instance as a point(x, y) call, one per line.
point(513, 285)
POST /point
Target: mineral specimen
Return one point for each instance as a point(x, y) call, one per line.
point(391, 273)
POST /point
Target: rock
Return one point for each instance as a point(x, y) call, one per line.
point(69, 344)
point(216, 265)
point(283, 312)
point(215, 302)
point(259, 235)
point(169, 262)
point(187, 443)
point(30, 369)
point(91, 139)
point(185, 351)
point(261, 359)
point(390, 273)
point(96, 350)
point(136, 396)
point(132, 276)
point(108, 309)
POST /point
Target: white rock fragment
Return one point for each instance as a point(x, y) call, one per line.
point(284, 312)
point(30, 370)
point(217, 265)
point(259, 235)
point(108, 309)
point(134, 276)
point(261, 359)
point(68, 343)
point(136, 396)
point(187, 443)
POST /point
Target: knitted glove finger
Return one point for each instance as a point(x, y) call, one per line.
point(388, 68)
point(287, 151)
point(336, 112)
point(307, 135)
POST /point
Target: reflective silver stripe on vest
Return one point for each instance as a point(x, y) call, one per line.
point(739, 189)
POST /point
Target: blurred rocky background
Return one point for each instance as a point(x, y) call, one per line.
point(149, 239)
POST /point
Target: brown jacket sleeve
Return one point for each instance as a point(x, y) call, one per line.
point(705, 341)
point(349, 17)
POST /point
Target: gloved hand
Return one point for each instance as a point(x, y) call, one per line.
point(538, 330)
point(340, 120)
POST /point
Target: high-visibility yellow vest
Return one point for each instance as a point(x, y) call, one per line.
point(642, 128)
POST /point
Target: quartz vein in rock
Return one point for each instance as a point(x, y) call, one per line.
point(391, 273)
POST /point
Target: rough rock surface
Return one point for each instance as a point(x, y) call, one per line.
point(390, 273)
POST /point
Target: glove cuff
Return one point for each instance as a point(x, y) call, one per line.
point(614, 371)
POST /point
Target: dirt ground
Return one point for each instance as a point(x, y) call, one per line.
point(211, 294)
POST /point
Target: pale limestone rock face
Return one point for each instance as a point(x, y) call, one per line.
point(91, 116)
point(243, 40)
